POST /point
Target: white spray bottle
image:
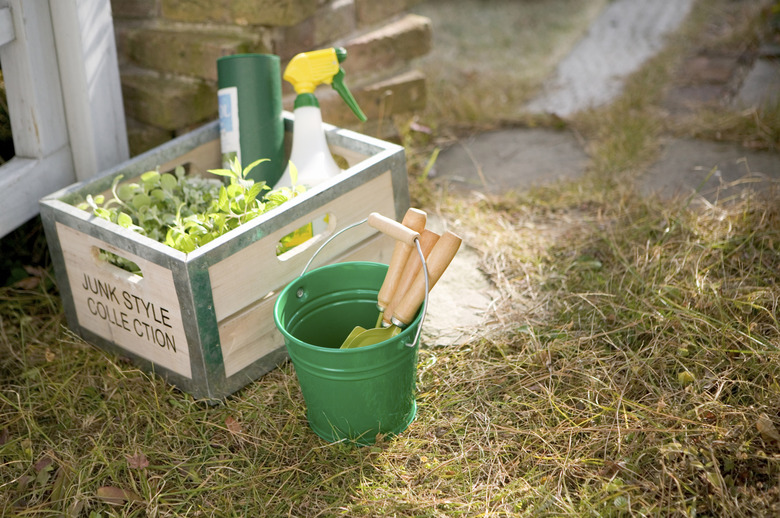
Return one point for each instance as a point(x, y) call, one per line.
point(310, 153)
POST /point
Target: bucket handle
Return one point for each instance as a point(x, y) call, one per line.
point(396, 231)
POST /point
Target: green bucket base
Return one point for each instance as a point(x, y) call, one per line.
point(335, 434)
point(350, 394)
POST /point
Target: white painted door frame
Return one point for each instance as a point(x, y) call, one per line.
point(61, 74)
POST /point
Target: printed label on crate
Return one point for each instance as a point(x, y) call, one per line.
point(139, 313)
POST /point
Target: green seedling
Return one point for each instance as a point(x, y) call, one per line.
point(186, 212)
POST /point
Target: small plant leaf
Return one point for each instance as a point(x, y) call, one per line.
point(254, 191)
point(102, 213)
point(124, 220)
point(117, 179)
point(62, 482)
point(232, 425)
point(223, 203)
point(223, 172)
point(150, 177)
point(91, 202)
point(235, 166)
point(141, 200)
point(685, 378)
point(185, 243)
point(293, 173)
point(234, 191)
point(169, 182)
point(125, 192)
point(251, 166)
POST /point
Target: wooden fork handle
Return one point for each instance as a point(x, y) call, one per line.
point(438, 260)
point(414, 221)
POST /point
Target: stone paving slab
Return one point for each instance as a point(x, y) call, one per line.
point(684, 167)
point(498, 161)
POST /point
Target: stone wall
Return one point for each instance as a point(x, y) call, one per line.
point(168, 51)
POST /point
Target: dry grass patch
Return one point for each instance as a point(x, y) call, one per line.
point(644, 383)
point(633, 372)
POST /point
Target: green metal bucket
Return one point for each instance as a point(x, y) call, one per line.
point(350, 394)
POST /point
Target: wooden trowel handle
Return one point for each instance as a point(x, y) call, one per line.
point(438, 260)
point(413, 265)
point(392, 228)
point(414, 221)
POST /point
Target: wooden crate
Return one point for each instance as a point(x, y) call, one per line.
point(203, 320)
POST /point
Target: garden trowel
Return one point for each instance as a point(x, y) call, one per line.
point(437, 261)
point(405, 234)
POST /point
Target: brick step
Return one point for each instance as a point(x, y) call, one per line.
point(373, 55)
point(143, 137)
point(402, 93)
point(389, 47)
point(167, 102)
point(158, 107)
point(377, 72)
point(184, 49)
point(169, 75)
point(255, 12)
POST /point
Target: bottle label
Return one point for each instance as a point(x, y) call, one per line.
point(228, 125)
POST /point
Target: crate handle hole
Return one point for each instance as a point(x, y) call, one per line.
point(114, 260)
point(300, 240)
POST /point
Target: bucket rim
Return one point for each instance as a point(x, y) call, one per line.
point(329, 350)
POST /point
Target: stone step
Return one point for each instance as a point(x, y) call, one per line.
point(620, 40)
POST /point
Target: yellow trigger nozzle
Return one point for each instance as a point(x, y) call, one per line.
point(308, 70)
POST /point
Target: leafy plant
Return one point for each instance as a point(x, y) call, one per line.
point(186, 212)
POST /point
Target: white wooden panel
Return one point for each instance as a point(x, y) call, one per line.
point(32, 82)
point(89, 71)
point(64, 99)
point(24, 181)
point(43, 161)
point(7, 33)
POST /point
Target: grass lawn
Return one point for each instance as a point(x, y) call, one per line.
point(632, 369)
